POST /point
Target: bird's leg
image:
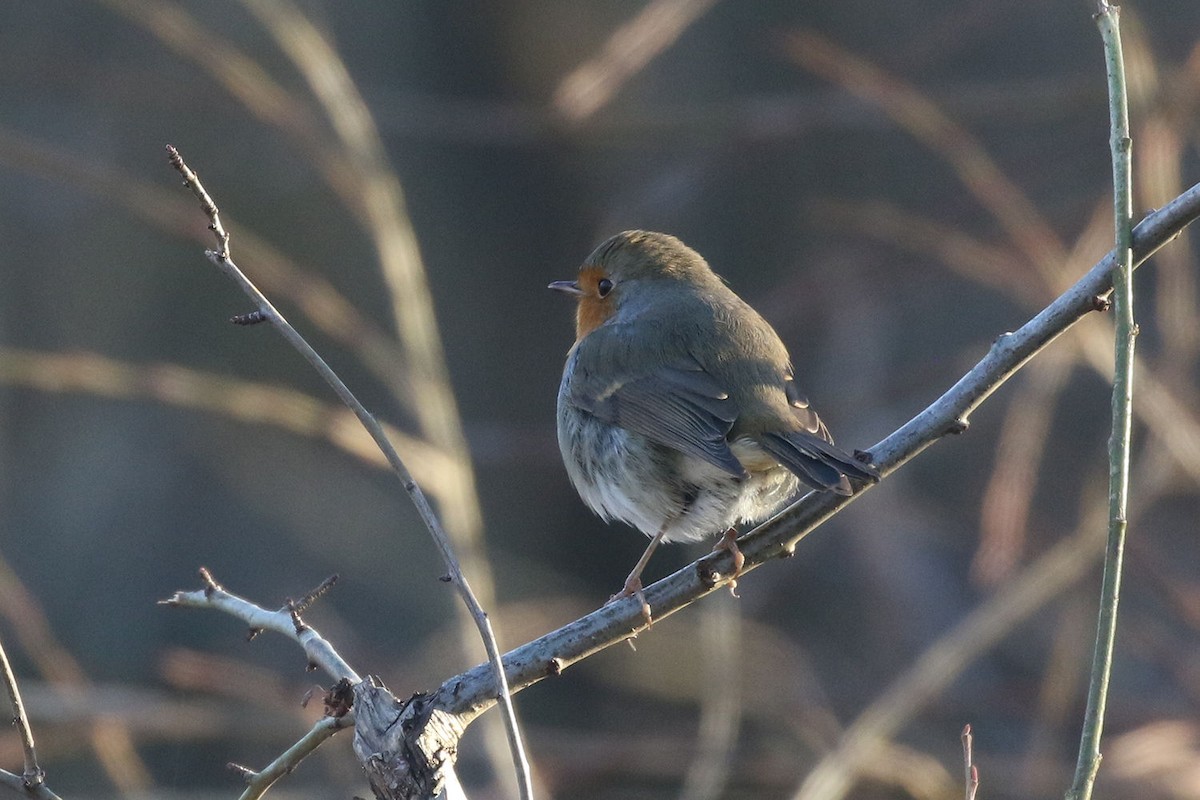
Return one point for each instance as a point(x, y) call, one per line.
point(633, 584)
point(728, 542)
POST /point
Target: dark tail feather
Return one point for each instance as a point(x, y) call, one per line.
point(817, 462)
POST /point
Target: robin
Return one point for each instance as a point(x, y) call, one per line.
point(678, 412)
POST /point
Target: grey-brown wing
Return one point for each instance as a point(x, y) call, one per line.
point(810, 452)
point(678, 405)
point(808, 419)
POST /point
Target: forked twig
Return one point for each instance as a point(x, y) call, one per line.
point(282, 621)
point(286, 621)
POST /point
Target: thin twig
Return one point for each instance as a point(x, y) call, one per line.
point(32, 781)
point(293, 337)
point(338, 714)
point(1088, 763)
point(172, 212)
point(33, 776)
point(971, 772)
point(317, 649)
point(259, 782)
point(108, 736)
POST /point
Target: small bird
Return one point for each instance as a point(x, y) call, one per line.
point(678, 412)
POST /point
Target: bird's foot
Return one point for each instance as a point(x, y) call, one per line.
point(728, 543)
point(633, 588)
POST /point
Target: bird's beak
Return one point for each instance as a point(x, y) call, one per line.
point(566, 287)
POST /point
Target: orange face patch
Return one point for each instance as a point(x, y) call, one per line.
point(593, 309)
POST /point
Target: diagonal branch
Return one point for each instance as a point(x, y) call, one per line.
point(473, 692)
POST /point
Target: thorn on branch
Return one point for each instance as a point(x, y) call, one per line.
point(297, 607)
point(252, 318)
point(210, 583)
point(303, 604)
point(445, 578)
point(554, 667)
point(1102, 302)
point(958, 426)
point(252, 634)
point(245, 773)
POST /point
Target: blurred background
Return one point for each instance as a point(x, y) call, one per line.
point(891, 184)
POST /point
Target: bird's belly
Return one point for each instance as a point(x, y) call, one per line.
point(624, 475)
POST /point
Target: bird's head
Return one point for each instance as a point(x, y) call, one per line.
point(629, 270)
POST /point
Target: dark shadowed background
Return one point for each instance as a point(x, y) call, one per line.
point(891, 184)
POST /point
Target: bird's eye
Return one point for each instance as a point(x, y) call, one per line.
point(604, 286)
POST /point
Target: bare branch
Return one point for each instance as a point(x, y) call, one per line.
point(110, 738)
point(192, 181)
point(257, 783)
point(283, 621)
point(1088, 761)
point(32, 777)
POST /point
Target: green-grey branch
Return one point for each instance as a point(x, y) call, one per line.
point(1088, 762)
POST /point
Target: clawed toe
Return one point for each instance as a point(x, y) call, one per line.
point(633, 588)
point(728, 543)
